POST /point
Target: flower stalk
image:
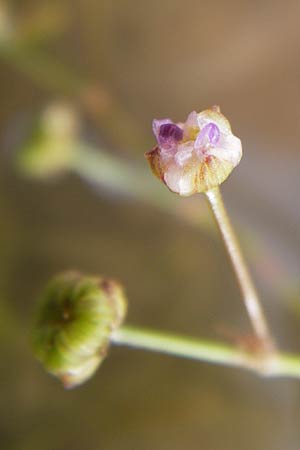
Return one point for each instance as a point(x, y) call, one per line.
point(197, 157)
point(247, 287)
point(262, 363)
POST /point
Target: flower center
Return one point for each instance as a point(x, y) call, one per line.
point(209, 135)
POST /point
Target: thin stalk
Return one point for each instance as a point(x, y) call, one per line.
point(247, 287)
point(271, 365)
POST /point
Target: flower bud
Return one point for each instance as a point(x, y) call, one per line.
point(74, 322)
point(50, 148)
point(197, 155)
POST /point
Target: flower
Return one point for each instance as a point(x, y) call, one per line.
point(74, 322)
point(197, 155)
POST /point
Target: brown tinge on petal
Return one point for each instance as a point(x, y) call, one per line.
point(155, 161)
point(216, 108)
point(207, 174)
point(197, 177)
point(211, 173)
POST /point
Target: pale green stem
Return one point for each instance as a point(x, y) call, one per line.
point(247, 287)
point(271, 365)
point(127, 178)
point(116, 174)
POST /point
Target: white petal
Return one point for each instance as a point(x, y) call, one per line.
point(184, 153)
point(229, 149)
point(186, 185)
point(209, 115)
point(172, 178)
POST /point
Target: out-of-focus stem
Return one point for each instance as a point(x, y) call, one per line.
point(52, 74)
point(249, 293)
point(124, 176)
point(116, 174)
point(49, 74)
point(265, 364)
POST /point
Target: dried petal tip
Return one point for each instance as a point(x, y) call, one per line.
point(74, 323)
point(195, 156)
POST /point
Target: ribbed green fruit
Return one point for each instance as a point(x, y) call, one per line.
point(75, 319)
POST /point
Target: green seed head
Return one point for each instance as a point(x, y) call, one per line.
point(74, 322)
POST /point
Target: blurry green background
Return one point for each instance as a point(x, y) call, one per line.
point(119, 64)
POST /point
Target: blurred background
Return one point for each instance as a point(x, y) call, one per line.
point(91, 75)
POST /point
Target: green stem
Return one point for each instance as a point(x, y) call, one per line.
point(116, 174)
point(271, 365)
point(124, 176)
point(247, 287)
point(177, 345)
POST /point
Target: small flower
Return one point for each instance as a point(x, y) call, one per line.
point(197, 155)
point(74, 323)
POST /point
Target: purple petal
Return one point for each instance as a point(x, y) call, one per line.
point(167, 133)
point(156, 124)
point(210, 134)
point(170, 131)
